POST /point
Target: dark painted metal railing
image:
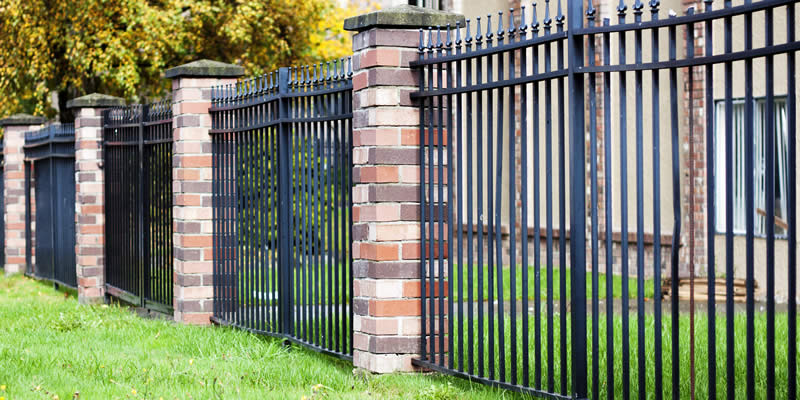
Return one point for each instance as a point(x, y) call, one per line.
point(486, 90)
point(282, 205)
point(50, 180)
point(137, 161)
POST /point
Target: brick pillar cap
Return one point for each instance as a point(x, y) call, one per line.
point(404, 16)
point(22, 119)
point(206, 69)
point(95, 100)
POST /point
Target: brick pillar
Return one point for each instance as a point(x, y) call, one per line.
point(89, 194)
point(14, 128)
point(191, 185)
point(386, 230)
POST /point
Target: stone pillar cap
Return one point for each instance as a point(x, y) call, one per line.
point(95, 100)
point(22, 119)
point(205, 68)
point(404, 16)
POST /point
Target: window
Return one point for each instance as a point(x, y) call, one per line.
point(435, 4)
point(759, 161)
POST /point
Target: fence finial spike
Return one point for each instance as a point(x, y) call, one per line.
point(535, 22)
point(512, 29)
point(350, 66)
point(478, 35)
point(560, 16)
point(547, 20)
point(622, 8)
point(468, 38)
point(439, 43)
point(430, 38)
point(590, 11)
point(421, 47)
point(449, 41)
point(654, 4)
point(524, 23)
point(343, 71)
point(637, 8)
point(500, 30)
point(458, 34)
point(489, 34)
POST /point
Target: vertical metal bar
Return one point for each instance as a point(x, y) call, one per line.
point(791, 127)
point(770, 171)
point(710, 194)
point(523, 128)
point(537, 279)
point(501, 348)
point(749, 166)
point(548, 127)
point(285, 228)
point(594, 162)
point(656, 120)
point(142, 264)
point(328, 210)
point(459, 207)
point(730, 171)
point(578, 203)
point(471, 267)
point(641, 370)
point(676, 210)
point(479, 225)
point(512, 206)
point(690, 52)
point(422, 199)
point(449, 220)
point(562, 199)
point(607, 157)
point(623, 180)
point(440, 196)
point(26, 165)
point(490, 122)
point(428, 140)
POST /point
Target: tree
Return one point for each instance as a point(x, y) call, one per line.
point(55, 50)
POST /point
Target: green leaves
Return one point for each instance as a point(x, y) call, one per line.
point(76, 47)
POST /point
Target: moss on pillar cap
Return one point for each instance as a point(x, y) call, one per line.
point(95, 100)
point(205, 68)
point(22, 119)
point(405, 17)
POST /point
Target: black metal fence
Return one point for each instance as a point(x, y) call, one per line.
point(282, 205)
point(506, 179)
point(137, 162)
point(50, 180)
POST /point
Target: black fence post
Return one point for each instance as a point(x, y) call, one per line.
point(578, 200)
point(285, 231)
point(26, 166)
point(141, 208)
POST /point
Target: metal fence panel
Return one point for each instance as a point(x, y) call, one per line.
point(512, 115)
point(50, 180)
point(137, 158)
point(282, 207)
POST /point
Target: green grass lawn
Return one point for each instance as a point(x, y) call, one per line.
point(616, 282)
point(50, 346)
point(701, 353)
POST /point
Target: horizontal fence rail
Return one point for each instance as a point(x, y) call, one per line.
point(50, 203)
point(547, 179)
point(282, 205)
point(137, 160)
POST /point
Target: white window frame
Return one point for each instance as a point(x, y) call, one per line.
point(781, 142)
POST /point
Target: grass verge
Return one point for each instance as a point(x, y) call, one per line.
point(53, 348)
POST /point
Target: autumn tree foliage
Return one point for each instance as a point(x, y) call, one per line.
point(54, 50)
